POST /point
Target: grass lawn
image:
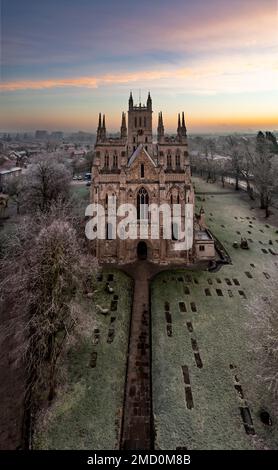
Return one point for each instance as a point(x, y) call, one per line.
point(81, 197)
point(87, 411)
point(223, 327)
point(81, 190)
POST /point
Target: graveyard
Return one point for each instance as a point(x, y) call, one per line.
point(207, 347)
point(87, 410)
point(206, 337)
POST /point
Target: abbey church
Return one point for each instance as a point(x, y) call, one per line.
point(138, 169)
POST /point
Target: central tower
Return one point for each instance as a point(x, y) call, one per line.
point(139, 125)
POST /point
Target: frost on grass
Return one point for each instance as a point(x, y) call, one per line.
point(263, 320)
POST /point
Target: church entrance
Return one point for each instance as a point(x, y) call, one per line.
point(142, 250)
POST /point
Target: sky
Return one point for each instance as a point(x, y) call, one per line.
point(63, 62)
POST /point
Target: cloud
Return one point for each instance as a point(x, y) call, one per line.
point(87, 82)
point(54, 58)
point(234, 74)
point(93, 37)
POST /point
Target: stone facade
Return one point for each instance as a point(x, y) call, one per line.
point(134, 168)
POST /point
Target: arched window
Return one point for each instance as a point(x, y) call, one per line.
point(115, 160)
point(140, 122)
point(106, 160)
point(145, 121)
point(134, 140)
point(175, 231)
point(135, 122)
point(171, 199)
point(146, 140)
point(178, 159)
point(169, 160)
point(112, 199)
point(142, 203)
point(109, 230)
point(178, 199)
point(142, 170)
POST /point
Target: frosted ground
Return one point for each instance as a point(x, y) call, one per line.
point(208, 392)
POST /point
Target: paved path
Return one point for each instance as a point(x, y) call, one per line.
point(137, 418)
point(137, 424)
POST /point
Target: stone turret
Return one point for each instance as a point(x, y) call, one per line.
point(130, 101)
point(123, 127)
point(160, 128)
point(149, 102)
point(183, 127)
point(99, 128)
point(181, 130)
point(179, 126)
point(103, 129)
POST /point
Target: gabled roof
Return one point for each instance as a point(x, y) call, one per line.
point(137, 152)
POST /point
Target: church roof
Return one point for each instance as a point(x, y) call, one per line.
point(137, 152)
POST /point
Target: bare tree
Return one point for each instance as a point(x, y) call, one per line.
point(265, 170)
point(209, 149)
point(13, 187)
point(53, 280)
point(51, 272)
point(264, 340)
point(198, 163)
point(89, 160)
point(234, 151)
point(221, 168)
point(46, 181)
point(247, 164)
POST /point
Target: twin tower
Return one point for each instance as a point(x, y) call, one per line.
point(139, 130)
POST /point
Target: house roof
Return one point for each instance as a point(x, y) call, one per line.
point(11, 170)
point(137, 152)
point(202, 235)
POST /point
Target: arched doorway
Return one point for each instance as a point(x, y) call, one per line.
point(142, 250)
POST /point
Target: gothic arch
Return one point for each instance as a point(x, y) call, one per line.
point(169, 159)
point(110, 191)
point(142, 199)
point(115, 159)
point(106, 159)
point(174, 195)
point(178, 158)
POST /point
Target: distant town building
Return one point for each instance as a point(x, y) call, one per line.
point(41, 135)
point(20, 157)
point(57, 135)
point(81, 136)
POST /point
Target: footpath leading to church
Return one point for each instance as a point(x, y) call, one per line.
point(137, 417)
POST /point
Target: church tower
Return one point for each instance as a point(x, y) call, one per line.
point(140, 125)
